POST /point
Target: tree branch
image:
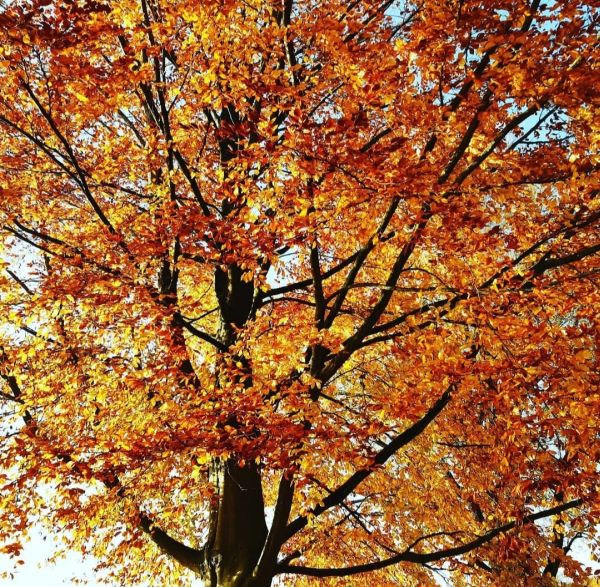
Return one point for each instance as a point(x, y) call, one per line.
point(267, 562)
point(361, 257)
point(552, 262)
point(540, 267)
point(181, 321)
point(318, 285)
point(514, 123)
point(82, 181)
point(353, 342)
point(190, 558)
point(345, 489)
point(428, 557)
point(306, 283)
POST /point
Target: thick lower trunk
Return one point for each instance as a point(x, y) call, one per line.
point(238, 530)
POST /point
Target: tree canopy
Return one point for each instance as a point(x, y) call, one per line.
point(301, 291)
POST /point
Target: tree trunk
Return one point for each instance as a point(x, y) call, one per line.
point(238, 530)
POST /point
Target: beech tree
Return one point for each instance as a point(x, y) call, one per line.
point(301, 292)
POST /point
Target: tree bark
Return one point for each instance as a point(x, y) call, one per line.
point(237, 531)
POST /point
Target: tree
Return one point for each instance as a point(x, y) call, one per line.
point(296, 290)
